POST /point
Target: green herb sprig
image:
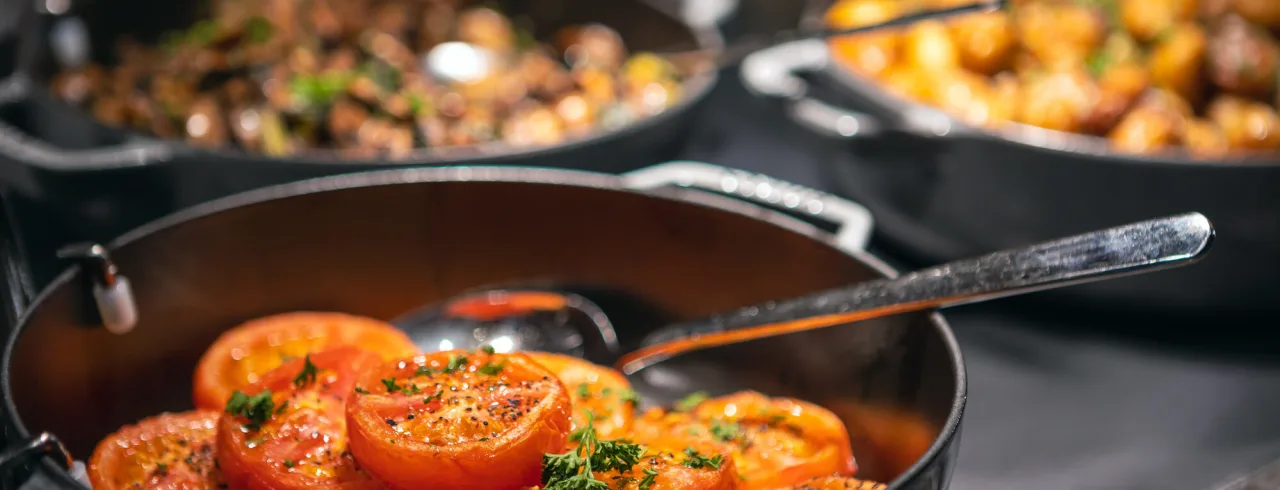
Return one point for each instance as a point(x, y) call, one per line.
point(257, 409)
point(575, 469)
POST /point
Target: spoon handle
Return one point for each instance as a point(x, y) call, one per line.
point(1130, 249)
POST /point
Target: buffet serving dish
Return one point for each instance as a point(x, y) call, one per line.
point(659, 244)
point(943, 189)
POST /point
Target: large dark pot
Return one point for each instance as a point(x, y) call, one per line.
point(942, 190)
point(381, 243)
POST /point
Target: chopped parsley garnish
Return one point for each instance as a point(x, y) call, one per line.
point(317, 91)
point(162, 469)
point(257, 408)
point(258, 30)
point(283, 406)
point(288, 463)
point(629, 396)
point(584, 391)
point(307, 375)
point(362, 391)
point(574, 470)
point(424, 371)
point(411, 389)
point(649, 475)
point(487, 349)
point(434, 397)
point(692, 401)
point(698, 461)
point(455, 362)
point(390, 384)
point(725, 431)
point(491, 369)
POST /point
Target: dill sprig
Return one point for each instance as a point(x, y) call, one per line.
point(575, 469)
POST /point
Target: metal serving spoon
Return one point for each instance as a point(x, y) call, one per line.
point(1131, 249)
point(461, 62)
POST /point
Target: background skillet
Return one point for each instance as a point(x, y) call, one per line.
point(84, 180)
point(942, 190)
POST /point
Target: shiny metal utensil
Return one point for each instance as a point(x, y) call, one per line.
point(461, 62)
point(1131, 249)
point(509, 320)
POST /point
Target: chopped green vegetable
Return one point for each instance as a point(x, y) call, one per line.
point(318, 91)
point(692, 401)
point(487, 349)
point(258, 30)
point(649, 475)
point(307, 375)
point(491, 369)
point(391, 385)
point(257, 408)
point(455, 362)
point(698, 461)
point(574, 470)
point(725, 431)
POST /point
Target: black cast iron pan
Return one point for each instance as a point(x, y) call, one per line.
point(382, 243)
point(943, 190)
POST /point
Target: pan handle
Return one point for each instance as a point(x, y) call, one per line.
point(774, 73)
point(854, 223)
point(19, 146)
point(17, 284)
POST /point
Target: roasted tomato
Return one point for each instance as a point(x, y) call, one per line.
point(599, 394)
point(288, 430)
point(172, 450)
point(839, 483)
point(774, 442)
point(243, 354)
point(668, 470)
point(458, 419)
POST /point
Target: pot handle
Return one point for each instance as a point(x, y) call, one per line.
point(772, 73)
point(854, 223)
point(21, 147)
point(22, 456)
point(17, 284)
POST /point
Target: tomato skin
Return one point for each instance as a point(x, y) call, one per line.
point(303, 445)
point(167, 451)
point(243, 354)
point(775, 442)
point(606, 391)
point(435, 437)
point(672, 474)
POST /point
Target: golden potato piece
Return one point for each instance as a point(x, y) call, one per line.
point(1175, 62)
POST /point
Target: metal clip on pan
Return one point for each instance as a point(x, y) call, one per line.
point(111, 291)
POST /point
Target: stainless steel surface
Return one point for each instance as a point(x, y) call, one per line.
point(112, 293)
point(853, 222)
point(568, 324)
point(1135, 248)
point(95, 259)
point(1265, 478)
point(43, 444)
